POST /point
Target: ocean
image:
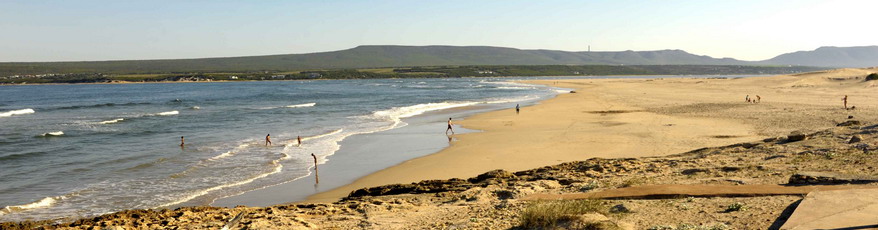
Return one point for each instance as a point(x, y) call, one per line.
point(71, 151)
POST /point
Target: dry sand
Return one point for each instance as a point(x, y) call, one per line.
point(607, 118)
point(614, 118)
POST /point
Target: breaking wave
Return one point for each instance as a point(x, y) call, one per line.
point(17, 112)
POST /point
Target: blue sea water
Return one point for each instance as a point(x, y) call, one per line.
point(69, 151)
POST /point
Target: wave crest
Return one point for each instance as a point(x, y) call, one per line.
point(112, 121)
point(45, 202)
point(52, 134)
point(17, 112)
point(301, 105)
point(168, 113)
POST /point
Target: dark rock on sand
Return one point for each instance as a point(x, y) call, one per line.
point(495, 174)
point(620, 208)
point(730, 168)
point(849, 123)
point(427, 186)
point(828, 178)
point(855, 139)
point(796, 136)
point(694, 171)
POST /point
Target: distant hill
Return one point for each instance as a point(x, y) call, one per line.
point(410, 56)
point(859, 56)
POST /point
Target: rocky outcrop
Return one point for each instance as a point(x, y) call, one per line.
point(828, 178)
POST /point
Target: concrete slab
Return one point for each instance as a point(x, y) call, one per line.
point(838, 209)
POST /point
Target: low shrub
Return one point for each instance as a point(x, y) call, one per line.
point(546, 214)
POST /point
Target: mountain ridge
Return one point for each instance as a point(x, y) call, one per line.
point(380, 56)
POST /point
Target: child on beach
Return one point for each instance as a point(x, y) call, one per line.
point(845, 99)
point(299, 138)
point(516, 108)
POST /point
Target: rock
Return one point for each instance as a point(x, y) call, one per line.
point(694, 171)
point(774, 157)
point(549, 184)
point(730, 168)
point(620, 208)
point(427, 186)
point(849, 123)
point(495, 174)
point(855, 139)
point(505, 194)
point(571, 91)
point(810, 178)
point(796, 136)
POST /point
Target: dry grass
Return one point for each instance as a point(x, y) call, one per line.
point(548, 214)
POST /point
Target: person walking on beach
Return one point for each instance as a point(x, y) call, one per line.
point(268, 139)
point(845, 99)
point(517, 109)
point(299, 138)
point(449, 127)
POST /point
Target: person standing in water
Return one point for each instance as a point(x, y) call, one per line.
point(299, 138)
point(517, 108)
point(182, 141)
point(268, 139)
point(449, 127)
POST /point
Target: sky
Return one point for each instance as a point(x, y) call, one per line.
point(85, 30)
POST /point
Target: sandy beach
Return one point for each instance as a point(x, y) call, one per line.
point(702, 155)
point(622, 118)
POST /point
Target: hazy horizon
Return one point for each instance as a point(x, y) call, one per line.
point(108, 30)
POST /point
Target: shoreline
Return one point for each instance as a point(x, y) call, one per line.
point(499, 147)
point(363, 154)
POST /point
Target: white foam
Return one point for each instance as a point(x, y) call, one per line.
point(514, 99)
point(17, 112)
point(56, 133)
point(277, 169)
point(195, 108)
point(45, 202)
point(112, 121)
point(515, 87)
point(561, 91)
point(229, 153)
point(323, 135)
point(168, 113)
point(301, 105)
point(507, 83)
